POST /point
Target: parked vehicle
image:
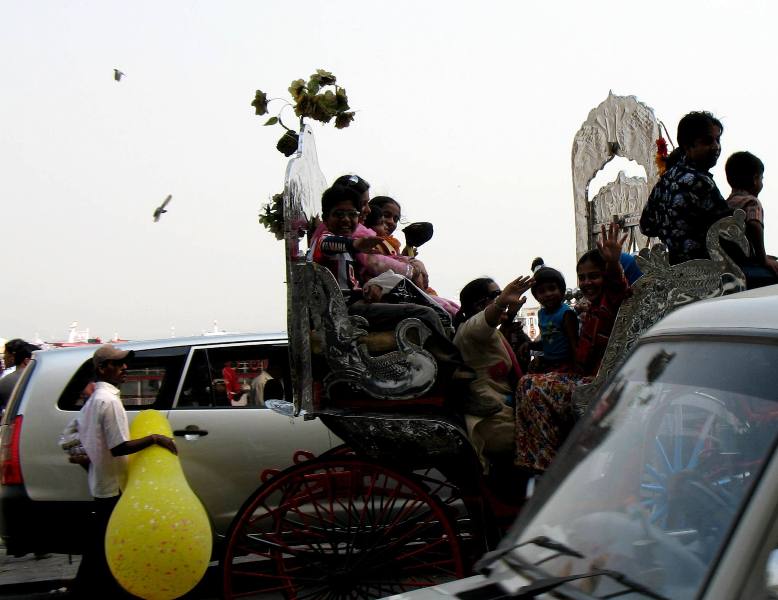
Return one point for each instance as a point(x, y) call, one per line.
point(669, 487)
point(208, 387)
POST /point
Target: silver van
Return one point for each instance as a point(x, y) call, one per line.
point(668, 488)
point(212, 390)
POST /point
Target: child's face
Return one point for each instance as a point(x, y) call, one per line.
point(365, 207)
point(549, 295)
point(704, 151)
point(758, 184)
point(380, 228)
point(590, 280)
point(342, 219)
point(391, 214)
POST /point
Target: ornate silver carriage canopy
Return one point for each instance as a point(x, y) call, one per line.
point(619, 126)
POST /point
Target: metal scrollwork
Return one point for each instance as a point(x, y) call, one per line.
point(619, 126)
point(303, 186)
point(406, 373)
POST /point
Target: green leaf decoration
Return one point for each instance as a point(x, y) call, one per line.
point(271, 216)
point(323, 108)
point(297, 89)
point(342, 99)
point(305, 106)
point(314, 85)
point(260, 103)
point(343, 120)
point(310, 100)
point(328, 102)
point(325, 77)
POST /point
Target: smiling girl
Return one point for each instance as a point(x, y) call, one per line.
point(544, 403)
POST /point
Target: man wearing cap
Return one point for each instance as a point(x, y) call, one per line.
point(105, 435)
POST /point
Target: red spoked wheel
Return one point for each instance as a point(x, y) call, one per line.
point(340, 528)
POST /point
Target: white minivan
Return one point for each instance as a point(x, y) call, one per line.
point(668, 488)
point(212, 390)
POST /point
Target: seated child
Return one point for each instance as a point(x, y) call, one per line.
point(390, 214)
point(744, 174)
point(558, 323)
point(335, 247)
point(375, 221)
point(333, 244)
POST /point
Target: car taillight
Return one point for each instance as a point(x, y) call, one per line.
point(10, 465)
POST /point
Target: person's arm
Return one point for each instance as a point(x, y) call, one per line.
point(133, 446)
point(648, 222)
point(509, 300)
point(755, 235)
point(420, 276)
point(335, 244)
point(570, 329)
point(371, 265)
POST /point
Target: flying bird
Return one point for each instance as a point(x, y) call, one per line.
point(161, 208)
point(117, 75)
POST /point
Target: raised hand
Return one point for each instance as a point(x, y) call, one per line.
point(610, 244)
point(511, 296)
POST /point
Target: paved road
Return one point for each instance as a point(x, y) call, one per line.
point(36, 578)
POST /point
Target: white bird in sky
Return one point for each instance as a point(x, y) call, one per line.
point(117, 75)
point(161, 208)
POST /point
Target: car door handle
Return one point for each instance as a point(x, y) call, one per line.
point(192, 430)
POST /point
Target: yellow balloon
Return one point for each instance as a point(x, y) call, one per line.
point(158, 541)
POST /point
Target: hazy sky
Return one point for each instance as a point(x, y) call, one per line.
point(467, 112)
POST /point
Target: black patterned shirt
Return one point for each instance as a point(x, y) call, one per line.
point(684, 203)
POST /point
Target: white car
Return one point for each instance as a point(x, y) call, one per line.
point(226, 438)
point(668, 488)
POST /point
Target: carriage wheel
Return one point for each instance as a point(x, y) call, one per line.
point(340, 528)
point(687, 433)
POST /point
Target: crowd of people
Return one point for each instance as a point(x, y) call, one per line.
point(516, 410)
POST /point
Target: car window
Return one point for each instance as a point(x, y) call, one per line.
point(242, 376)
point(152, 380)
point(654, 481)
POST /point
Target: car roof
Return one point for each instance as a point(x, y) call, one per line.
point(199, 340)
point(754, 312)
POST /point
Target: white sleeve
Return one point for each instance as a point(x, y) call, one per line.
point(113, 420)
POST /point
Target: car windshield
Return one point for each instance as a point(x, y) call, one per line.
point(652, 485)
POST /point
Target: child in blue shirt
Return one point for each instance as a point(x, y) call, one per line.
point(558, 323)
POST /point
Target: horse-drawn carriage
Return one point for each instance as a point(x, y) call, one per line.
point(402, 504)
